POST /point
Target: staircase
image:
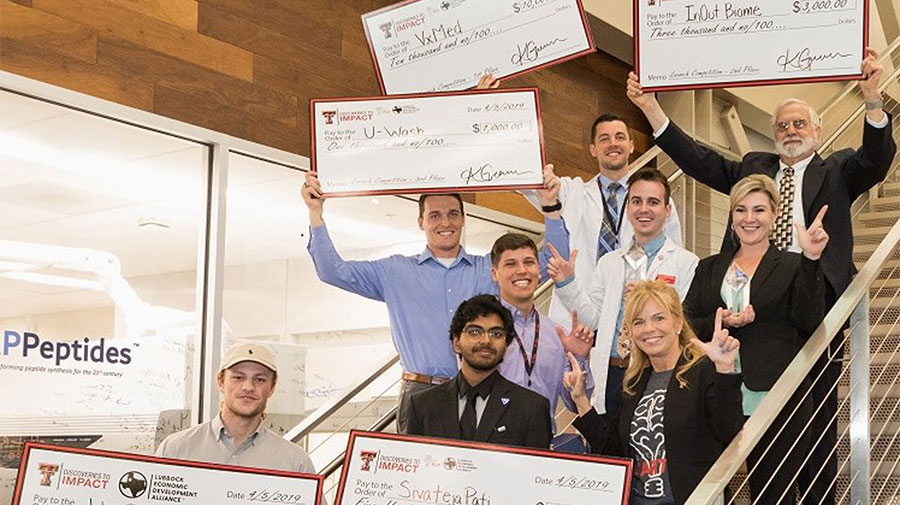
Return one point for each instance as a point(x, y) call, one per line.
point(872, 222)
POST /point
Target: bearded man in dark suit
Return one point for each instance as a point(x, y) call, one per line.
point(479, 404)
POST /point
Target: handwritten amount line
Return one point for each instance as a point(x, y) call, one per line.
point(473, 42)
point(364, 150)
point(743, 33)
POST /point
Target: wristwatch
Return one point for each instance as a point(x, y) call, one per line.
point(552, 208)
point(877, 104)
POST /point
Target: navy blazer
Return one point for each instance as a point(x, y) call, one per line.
point(835, 181)
point(513, 415)
point(700, 421)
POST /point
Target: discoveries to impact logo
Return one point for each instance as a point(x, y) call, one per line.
point(366, 457)
point(48, 470)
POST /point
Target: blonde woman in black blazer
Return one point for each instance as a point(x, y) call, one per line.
point(773, 300)
point(677, 390)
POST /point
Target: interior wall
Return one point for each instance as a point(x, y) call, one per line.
point(248, 69)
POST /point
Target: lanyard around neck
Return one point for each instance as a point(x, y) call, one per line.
point(529, 367)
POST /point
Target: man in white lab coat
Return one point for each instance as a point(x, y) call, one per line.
point(593, 209)
point(648, 254)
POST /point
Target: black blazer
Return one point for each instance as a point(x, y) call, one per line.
point(700, 421)
point(513, 415)
point(836, 181)
point(787, 292)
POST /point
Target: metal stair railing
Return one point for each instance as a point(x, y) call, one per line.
point(853, 301)
point(853, 304)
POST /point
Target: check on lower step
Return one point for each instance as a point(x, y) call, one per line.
point(389, 469)
point(55, 475)
point(434, 143)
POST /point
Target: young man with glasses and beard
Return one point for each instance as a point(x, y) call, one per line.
point(479, 404)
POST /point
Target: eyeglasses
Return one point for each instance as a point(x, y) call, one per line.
point(477, 332)
point(799, 124)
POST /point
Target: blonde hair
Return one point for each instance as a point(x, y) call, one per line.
point(753, 184)
point(666, 297)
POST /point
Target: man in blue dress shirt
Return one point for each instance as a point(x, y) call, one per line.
point(421, 292)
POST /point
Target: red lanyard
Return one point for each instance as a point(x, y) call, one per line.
point(529, 367)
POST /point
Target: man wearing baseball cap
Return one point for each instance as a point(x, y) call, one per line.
point(236, 436)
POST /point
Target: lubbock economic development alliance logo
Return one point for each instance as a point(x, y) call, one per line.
point(133, 484)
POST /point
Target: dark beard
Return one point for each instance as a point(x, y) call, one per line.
point(482, 367)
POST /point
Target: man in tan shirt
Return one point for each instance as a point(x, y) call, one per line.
point(236, 436)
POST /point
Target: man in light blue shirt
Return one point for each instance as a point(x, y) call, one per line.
point(421, 292)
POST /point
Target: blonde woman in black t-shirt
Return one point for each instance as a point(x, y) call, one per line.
point(681, 400)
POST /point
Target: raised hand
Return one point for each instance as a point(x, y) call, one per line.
point(645, 101)
point(488, 81)
point(311, 191)
point(812, 241)
point(558, 268)
point(549, 194)
point(872, 72)
point(579, 340)
point(742, 318)
point(574, 380)
point(722, 349)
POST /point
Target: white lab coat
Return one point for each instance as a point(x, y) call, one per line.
point(598, 304)
point(582, 210)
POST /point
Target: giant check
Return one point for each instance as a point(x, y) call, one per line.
point(685, 44)
point(435, 143)
point(53, 475)
point(446, 45)
point(387, 469)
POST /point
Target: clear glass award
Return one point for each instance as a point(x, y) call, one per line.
point(635, 270)
point(736, 280)
point(635, 264)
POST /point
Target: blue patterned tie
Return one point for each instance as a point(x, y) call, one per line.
point(607, 240)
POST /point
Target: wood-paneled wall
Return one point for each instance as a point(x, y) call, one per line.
point(249, 67)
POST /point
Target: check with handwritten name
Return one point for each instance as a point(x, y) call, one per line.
point(434, 143)
point(55, 475)
point(389, 469)
point(686, 44)
point(446, 45)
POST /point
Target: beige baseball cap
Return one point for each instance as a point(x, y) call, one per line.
point(256, 353)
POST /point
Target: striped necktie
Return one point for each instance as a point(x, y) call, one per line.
point(608, 240)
